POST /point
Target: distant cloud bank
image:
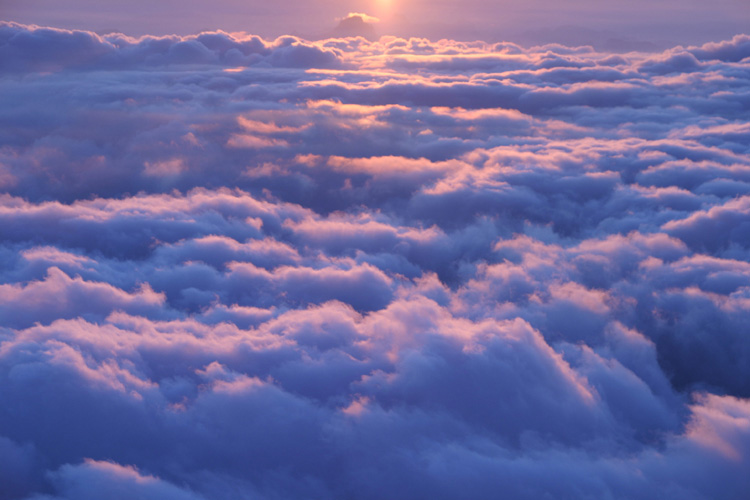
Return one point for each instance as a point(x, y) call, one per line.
point(242, 268)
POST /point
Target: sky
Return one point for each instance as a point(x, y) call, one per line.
point(620, 24)
point(247, 265)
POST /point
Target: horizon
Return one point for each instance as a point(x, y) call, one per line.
point(668, 23)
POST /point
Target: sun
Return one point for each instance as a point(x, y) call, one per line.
point(383, 7)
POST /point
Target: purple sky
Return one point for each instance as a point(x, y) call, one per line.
point(245, 268)
point(663, 22)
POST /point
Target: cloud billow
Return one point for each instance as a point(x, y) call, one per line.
point(351, 268)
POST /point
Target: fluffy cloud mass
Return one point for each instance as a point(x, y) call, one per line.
point(278, 269)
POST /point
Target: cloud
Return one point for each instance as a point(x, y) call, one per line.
point(93, 479)
point(60, 296)
point(727, 223)
point(355, 24)
point(233, 267)
point(40, 49)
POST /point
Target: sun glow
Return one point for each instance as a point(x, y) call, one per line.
point(383, 7)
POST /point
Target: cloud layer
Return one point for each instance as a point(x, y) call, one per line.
point(244, 268)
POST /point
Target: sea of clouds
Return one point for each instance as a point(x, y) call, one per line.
point(236, 268)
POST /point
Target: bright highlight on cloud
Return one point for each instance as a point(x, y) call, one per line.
point(279, 269)
point(364, 17)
